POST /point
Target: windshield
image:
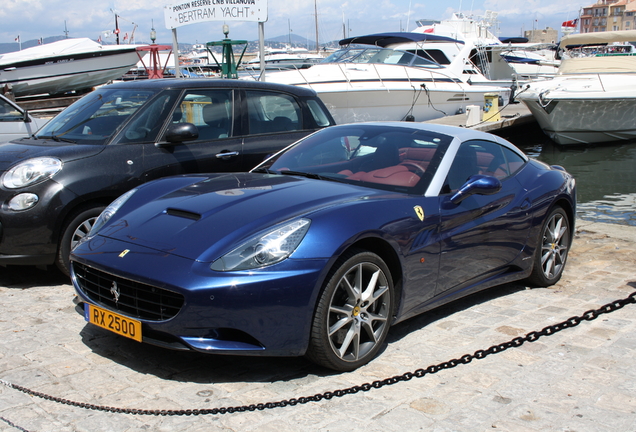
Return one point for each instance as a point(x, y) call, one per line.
point(96, 117)
point(378, 55)
point(387, 157)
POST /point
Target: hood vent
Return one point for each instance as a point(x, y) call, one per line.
point(183, 214)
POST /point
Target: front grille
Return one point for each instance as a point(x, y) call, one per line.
point(135, 299)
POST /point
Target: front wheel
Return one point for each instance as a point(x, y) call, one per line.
point(353, 315)
point(74, 231)
point(552, 249)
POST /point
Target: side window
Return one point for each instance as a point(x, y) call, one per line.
point(515, 162)
point(464, 165)
point(147, 125)
point(481, 157)
point(8, 113)
point(272, 112)
point(318, 113)
point(209, 110)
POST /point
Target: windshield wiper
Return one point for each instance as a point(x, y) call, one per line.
point(297, 173)
point(58, 138)
point(264, 170)
point(312, 176)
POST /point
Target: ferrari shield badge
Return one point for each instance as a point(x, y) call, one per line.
point(419, 211)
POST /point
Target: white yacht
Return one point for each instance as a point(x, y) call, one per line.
point(386, 76)
point(593, 97)
point(497, 60)
point(284, 58)
point(67, 65)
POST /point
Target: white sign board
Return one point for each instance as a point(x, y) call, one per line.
point(198, 11)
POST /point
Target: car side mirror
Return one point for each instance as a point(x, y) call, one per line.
point(477, 185)
point(180, 132)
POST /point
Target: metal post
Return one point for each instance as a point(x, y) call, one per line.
point(261, 49)
point(175, 53)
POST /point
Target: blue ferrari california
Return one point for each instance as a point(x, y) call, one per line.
point(325, 245)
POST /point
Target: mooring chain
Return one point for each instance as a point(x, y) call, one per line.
point(419, 373)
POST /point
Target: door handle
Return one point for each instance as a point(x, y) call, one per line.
point(227, 155)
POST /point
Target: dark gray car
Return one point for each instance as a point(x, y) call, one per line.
point(55, 183)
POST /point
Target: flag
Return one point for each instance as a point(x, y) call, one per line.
point(99, 39)
point(17, 39)
point(571, 23)
point(40, 41)
point(126, 36)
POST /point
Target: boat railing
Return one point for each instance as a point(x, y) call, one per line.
point(435, 75)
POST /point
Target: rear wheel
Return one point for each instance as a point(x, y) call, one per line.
point(353, 315)
point(74, 231)
point(552, 249)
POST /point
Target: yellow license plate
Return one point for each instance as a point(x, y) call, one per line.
point(116, 323)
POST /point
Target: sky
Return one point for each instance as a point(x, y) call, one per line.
point(34, 19)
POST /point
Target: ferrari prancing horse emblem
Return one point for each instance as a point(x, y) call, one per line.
point(419, 211)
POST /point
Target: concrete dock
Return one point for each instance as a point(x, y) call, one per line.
point(579, 379)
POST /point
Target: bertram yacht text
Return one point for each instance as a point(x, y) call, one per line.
point(196, 10)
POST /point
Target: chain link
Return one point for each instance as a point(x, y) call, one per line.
point(419, 373)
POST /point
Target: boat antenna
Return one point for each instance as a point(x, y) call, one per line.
point(116, 25)
point(65, 30)
point(117, 28)
point(316, 14)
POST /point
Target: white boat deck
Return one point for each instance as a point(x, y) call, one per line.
point(511, 115)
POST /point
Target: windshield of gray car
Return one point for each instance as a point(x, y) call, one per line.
point(380, 156)
point(96, 117)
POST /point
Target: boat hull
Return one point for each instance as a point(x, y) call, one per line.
point(381, 104)
point(66, 72)
point(575, 122)
point(574, 110)
point(356, 93)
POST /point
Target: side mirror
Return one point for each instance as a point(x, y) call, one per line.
point(477, 185)
point(180, 132)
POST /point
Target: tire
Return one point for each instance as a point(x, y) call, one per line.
point(353, 314)
point(552, 249)
point(75, 230)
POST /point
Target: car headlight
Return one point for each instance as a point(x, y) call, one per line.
point(265, 249)
point(109, 212)
point(31, 171)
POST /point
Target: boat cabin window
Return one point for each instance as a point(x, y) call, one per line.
point(433, 55)
point(384, 56)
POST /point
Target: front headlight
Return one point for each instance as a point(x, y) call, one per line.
point(110, 211)
point(265, 249)
point(31, 171)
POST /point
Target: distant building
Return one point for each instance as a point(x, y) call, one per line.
point(629, 19)
point(608, 15)
point(547, 35)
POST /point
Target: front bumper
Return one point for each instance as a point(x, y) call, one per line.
point(259, 312)
point(30, 237)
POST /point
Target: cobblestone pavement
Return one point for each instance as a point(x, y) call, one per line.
point(579, 379)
